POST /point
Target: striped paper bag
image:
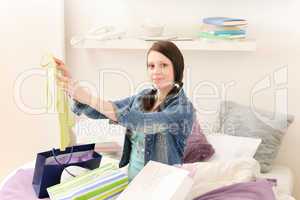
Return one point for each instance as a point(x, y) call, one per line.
point(106, 182)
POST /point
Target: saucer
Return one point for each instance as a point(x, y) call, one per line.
point(163, 37)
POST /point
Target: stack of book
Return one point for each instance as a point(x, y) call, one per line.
point(223, 28)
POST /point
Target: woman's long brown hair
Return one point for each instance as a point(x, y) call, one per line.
point(171, 51)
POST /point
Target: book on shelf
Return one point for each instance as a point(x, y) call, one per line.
point(225, 21)
point(208, 35)
point(229, 32)
point(208, 27)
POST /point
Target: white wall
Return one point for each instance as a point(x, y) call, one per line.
point(28, 29)
point(272, 23)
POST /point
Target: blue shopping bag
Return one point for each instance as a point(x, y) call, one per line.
point(50, 165)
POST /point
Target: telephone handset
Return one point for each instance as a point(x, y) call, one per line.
point(100, 30)
point(99, 33)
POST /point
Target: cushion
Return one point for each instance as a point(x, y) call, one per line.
point(244, 121)
point(229, 147)
point(207, 110)
point(197, 147)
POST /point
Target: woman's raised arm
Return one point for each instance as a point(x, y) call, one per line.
point(82, 95)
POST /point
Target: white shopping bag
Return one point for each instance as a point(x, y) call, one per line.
point(157, 181)
point(109, 138)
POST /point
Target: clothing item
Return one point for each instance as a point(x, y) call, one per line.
point(137, 161)
point(57, 101)
point(165, 131)
point(197, 148)
point(253, 190)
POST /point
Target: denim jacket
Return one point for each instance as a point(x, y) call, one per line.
point(166, 131)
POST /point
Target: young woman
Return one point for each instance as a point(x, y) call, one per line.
point(158, 120)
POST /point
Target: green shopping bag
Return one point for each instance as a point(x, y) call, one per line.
point(103, 183)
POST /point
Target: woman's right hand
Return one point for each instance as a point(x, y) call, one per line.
point(60, 65)
point(83, 94)
point(71, 88)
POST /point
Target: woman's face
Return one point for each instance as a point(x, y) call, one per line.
point(160, 70)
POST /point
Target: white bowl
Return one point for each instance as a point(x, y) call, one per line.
point(153, 31)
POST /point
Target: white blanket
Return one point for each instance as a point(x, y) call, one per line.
point(208, 176)
point(212, 175)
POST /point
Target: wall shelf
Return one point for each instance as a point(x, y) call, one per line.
point(195, 45)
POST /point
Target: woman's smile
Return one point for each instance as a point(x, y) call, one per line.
point(158, 79)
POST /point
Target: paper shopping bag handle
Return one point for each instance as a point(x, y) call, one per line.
point(70, 157)
point(60, 164)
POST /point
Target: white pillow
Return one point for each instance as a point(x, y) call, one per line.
point(212, 175)
point(208, 114)
point(228, 147)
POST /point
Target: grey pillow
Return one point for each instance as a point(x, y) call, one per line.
point(244, 121)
